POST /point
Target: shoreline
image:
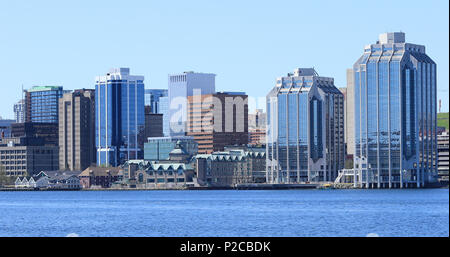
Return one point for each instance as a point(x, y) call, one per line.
point(246, 188)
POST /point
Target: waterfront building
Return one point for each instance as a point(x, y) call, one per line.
point(58, 182)
point(153, 123)
point(155, 175)
point(77, 130)
point(305, 129)
point(50, 180)
point(41, 103)
point(119, 117)
point(231, 167)
point(443, 156)
point(218, 120)
point(19, 111)
point(27, 160)
point(395, 114)
point(159, 148)
point(24, 182)
point(181, 86)
point(175, 172)
point(100, 177)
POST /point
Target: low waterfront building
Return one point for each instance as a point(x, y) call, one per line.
point(175, 172)
point(50, 180)
point(24, 182)
point(26, 160)
point(231, 167)
point(157, 175)
point(159, 148)
point(60, 181)
point(100, 177)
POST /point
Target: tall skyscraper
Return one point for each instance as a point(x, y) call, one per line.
point(218, 120)
point(119, 117)
point(180, 87)
point(395, 114)
point(77, 130)
point(41, 103)
point(19, 111)
point(305, 128)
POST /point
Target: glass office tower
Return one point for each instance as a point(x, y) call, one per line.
point(305, 129)
point(41, 103)
point(395, 114)
point(119, 116)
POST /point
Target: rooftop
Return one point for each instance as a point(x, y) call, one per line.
point(44, 88)
point(391, 37)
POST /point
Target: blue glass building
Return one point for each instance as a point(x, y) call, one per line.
point(305, 129)
point(395, 114)
point(41, 103)
point(119, 116)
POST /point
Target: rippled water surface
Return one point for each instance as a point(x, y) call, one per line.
point(422, 212)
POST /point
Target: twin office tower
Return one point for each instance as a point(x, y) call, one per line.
point(393, 108)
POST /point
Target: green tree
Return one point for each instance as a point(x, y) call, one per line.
point(4, 178)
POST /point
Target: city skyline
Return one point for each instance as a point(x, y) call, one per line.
point(233, 44)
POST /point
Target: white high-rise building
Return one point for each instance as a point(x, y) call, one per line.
point(19, 111)
point(180, 87)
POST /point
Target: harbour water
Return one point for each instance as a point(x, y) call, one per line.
point(260, 213)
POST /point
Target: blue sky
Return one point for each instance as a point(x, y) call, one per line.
point(248, 44)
